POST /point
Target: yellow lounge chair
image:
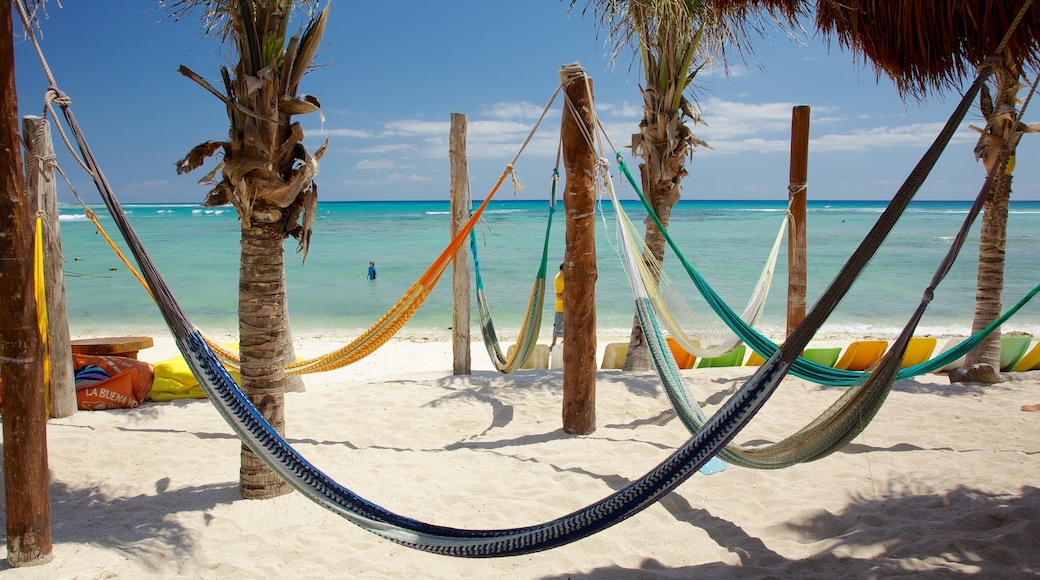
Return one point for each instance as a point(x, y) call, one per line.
point(919, 350)
point(614, 355)
point(733, 358)
point(754, 360)
point(683, 359)
point(538, 359)
point(1031, 361)
point(1012, 349)
point(861, 354)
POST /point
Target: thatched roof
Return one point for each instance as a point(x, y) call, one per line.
point(925, 45)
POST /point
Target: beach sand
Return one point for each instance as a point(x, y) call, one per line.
point(942, 483)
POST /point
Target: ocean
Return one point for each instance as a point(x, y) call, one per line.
point(197, 251)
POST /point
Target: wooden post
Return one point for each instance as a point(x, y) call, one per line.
point(796, 237)
point(579, 272)
point(42, 196)
point(460, 209)
point(21, 349)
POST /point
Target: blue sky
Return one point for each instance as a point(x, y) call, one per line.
point(393, 72)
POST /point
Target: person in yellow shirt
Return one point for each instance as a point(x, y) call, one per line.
point(558, 319)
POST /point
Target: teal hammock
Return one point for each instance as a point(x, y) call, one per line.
point(528, 337)
point(837, 425)
point(804, 368)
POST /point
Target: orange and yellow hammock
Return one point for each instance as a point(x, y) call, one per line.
point(375, 336)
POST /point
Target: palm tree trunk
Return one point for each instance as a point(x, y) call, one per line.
point(990, 286)
point(261, 296)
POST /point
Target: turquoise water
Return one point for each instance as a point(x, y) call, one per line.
point(197, 251)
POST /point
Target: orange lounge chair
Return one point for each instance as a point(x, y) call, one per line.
point(919, 350)
point(861, 354)
point(683, 359)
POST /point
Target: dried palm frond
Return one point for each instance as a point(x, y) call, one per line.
point(925, 46)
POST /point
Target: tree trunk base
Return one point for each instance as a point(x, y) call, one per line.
point(272, 490)
point(977, 373)
point(263, 483)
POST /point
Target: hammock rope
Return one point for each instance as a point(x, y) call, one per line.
point(677, 315)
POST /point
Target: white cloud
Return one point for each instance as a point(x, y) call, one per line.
point(407, 178)
point(387, 148)
point(625, 109)
point(376, 164)
point(359, 133)
point(416, 127)
point(521, 110)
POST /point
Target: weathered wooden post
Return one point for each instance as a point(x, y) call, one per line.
point(21, 349)
point(42, 196)
point(460, 208)
point(796, 237)
point(579, 272)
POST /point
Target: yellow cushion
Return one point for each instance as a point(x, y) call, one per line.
point(172, 379)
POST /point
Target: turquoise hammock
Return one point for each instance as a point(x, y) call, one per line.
point(805, 368)
point(532, 321)
point(840, 423)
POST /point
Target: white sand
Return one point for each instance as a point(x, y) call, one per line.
point(942, 482)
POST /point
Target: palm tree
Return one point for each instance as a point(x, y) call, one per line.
point(929, 47)
point(267, 175)
point(675, 40)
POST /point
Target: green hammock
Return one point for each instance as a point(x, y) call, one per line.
point(804, 368)
point(837, 425)
point(532, 322)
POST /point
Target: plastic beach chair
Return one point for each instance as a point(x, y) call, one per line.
point(861, 354)
point(918, 350)
point(1031, 361)
point(826, 356)
point(955, 364)
point(733, 358)
point(539, 358)
point(614, 355)
point(683, 359)
point(1012, 349)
